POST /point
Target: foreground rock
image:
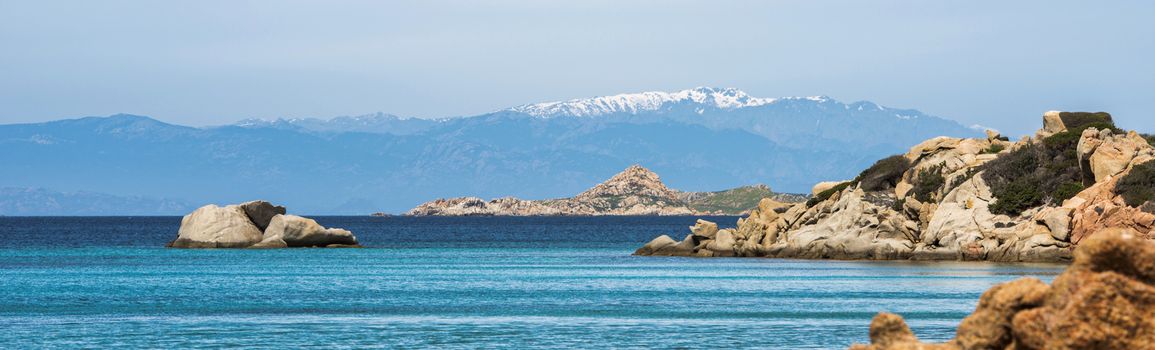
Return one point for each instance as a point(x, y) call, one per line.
point(256, 224)
point(635, 191)
point(1105, 300)
point(937, 202)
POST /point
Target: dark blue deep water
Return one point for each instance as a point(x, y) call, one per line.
point(95, 282)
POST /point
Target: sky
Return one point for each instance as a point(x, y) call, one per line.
point(1000, 64)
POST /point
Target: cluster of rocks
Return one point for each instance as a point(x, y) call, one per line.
point(255, 224)
point(635, 191)
point(1104, 300)
point(957, 224)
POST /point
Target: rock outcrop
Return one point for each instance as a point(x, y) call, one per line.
point(255, 224)
point(297, 231)
point(935, 202)
point(211, 226)
point(1105, 300)
point(635, 191)
point(261, 212)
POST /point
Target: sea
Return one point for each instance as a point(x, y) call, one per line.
point(455, 283)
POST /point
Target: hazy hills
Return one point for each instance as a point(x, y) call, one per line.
point(358, 165)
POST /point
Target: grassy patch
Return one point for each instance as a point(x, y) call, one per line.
point(1016, 196)
point(928, 181)
point(1079, 120)
point(731, 201)
point(884, 174)
point(1067, 190)
point(1044, 173)
point(898, 205)
point(1138, 187)
point(994, 148)
point(824, 195)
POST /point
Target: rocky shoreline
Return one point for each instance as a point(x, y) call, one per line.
point(957, 199)
point(255, 224)
point(1104, 300)
point(634, 191)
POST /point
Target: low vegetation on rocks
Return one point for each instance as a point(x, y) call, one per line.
point(733, 201)
point(994, 149)
point(1138, 187)
point(826, 194)
point(928, 181)
point(884, 174)
point(1081, 120)
point(1032, 200)
point(1044, 173)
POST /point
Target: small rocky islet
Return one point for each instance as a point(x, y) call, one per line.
point(1032, 200)
point(634, 191)
point(255, 224)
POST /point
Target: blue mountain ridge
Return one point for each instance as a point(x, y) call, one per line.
point(386, 163)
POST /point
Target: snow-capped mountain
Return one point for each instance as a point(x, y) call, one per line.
point(697, 99)
point(728, 98)
point(816, 122)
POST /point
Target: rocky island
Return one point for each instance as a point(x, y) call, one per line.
point(635, 191)
point(1031, 200)
point(255, 224)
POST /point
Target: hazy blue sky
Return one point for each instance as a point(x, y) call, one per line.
point(996, 63)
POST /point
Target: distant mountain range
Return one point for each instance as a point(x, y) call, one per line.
point(359, 165)
point(39, 201)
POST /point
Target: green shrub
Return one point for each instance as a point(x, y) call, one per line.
point(1079, 120)
point(1037, 174)
point(884, 174)
point(1016, 196)
point(994, 148)
point(928, 181)
point(959, 180)
point(1138, 186)
point(1067, 190)
point(824, 195)
point(898, 205)
point(1150, 139)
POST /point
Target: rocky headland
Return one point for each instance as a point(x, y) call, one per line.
point(635, 191)
point(1104, 300)
point(255, 224)
point(1031, 200)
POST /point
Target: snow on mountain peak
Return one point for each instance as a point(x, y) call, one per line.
point(726, 98)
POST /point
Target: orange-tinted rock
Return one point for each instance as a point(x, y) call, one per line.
point(1105, 300)
point(989, 327)
point(1101, 209)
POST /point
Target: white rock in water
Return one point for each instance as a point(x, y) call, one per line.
point(211, 226)
point(297, 231)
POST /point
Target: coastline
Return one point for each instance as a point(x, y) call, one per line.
point(1033, 200)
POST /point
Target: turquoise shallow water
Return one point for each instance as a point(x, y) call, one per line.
point(454, 283)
